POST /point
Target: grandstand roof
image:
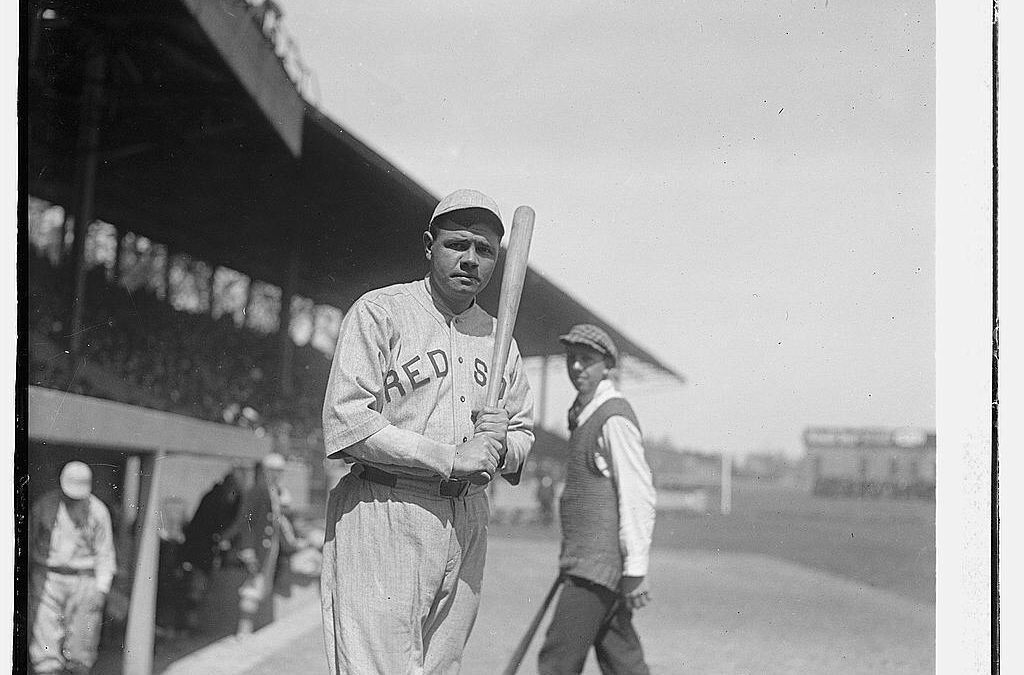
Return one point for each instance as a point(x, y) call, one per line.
point(206, 145)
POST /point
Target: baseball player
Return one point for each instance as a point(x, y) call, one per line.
point(73, 565)
point(607, 514)
point(406, 529)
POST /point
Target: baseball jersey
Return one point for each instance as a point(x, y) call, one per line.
point(58, 541)
point(405, 361)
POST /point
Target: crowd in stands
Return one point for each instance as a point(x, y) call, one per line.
point(181, 362)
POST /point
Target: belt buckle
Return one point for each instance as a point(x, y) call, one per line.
point(460, 487)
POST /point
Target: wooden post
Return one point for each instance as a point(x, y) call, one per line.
point(85, 187)
point(542, 395)
point(139, 636)
point(132, 490)
point(248, 302)
point(212, 294)
point(118, 248)
point(285, 342)
point(726, 483)
point(168, 263)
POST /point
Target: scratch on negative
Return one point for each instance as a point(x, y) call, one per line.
point(88, 328)
point(60, 406)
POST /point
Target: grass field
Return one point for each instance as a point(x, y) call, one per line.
point(884, 543)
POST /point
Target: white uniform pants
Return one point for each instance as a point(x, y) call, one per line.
point(401, 579)
point(65, 618)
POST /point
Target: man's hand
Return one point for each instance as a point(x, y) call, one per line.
point(479, 455)
point(635, 592)
point(494, 423)
point(97, 599)
point(248, 558)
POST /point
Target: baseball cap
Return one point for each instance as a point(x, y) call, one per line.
point(273, 461)
point(76, 480)
point(466, 198)
point(590, 335)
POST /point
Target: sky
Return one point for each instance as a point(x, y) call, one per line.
point(745, 189)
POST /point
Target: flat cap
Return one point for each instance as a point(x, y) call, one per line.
point(466, 198)
point(76, 480)
point(590, 335)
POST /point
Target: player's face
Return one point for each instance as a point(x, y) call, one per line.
point(462, 258)
point(586, 368)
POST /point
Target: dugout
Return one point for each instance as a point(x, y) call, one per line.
point(132, 452)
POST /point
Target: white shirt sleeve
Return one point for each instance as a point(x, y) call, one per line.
point(406, 452)
point(636, 493)
point(106, 557)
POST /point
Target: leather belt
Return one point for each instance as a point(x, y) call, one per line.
point(454, 487)
point(60, 569)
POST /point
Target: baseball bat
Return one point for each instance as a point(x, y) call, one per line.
point(524, 644)
point(516, 257)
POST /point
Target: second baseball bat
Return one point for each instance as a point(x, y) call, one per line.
point(516, 258)
point(531, 630)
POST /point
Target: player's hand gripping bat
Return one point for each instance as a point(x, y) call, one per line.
point(516, 258)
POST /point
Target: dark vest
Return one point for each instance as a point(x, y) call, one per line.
point(589, 507)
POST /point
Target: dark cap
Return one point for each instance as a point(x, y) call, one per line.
point(466, 199)
point(591, 336)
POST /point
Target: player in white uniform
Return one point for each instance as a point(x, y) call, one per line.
point(406, 529)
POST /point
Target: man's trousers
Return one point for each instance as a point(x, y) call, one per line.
point(402, 571)
point(588, 614)
point(65, 615)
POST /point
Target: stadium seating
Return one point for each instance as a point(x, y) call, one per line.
point(138, 349)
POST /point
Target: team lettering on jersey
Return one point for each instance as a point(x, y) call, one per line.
point(420, 370)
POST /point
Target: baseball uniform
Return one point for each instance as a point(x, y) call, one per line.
point(403, 562)
point(73, 566)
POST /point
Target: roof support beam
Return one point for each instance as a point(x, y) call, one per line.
point(139, 635)
point(285, 342)
point(252, 58)
point(85, 185)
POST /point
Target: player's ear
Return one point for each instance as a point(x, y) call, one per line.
point(428, 241)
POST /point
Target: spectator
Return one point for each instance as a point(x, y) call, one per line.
point(201, 551)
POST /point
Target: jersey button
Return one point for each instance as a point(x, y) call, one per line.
point(462, 398)
point(460, 359)
point(465, 438)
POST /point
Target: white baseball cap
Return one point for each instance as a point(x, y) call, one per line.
point(466, 198)
point(76, 480)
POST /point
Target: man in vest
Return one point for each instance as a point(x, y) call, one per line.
point(607, 513)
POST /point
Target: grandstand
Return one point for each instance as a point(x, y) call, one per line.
point(191, 230)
